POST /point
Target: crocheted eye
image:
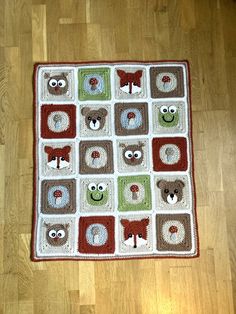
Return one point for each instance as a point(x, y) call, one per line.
point(164, 109)
point(61, 233)
point(61, 83)
point(98, 118)
point(89, 118)
point(53, 158)
point(128, 154)
point(53, 83)
point(92, 187)
point(176, 191)
point(101, 187)
point(140, 235)
point(52, 234)
point(166, 191)
point(62, 158)
point(130, 235)
point(172, 109)
point(137, 154)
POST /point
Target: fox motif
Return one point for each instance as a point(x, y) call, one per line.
point(58, 158)
point(135, 232)
point(130, 83)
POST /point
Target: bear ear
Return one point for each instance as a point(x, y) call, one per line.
point(138, 73)
point(145, 221)
point(103, 111)
point(46, 75)
point(124, 222)
point(180, 183)
point(121, 73)
point(161, 184)
point(85, 110)
point(48, 149)
point(66, 149)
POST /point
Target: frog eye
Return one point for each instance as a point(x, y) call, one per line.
point(52, 234)
point(137, 154)
point(164, 109)
point(61, 83)
point(52, 83)
point(102, 187)
point(61, 234)
point(92, 187)
point(128, 154)
point(172, 109)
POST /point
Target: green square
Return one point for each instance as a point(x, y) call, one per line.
point(134, 193)
point(94, 84)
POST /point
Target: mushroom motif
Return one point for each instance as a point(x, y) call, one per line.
point(173, 230)
point(131, 118)
point(58, 196)
point(95, 157)
point(93, 82)
point(134, 189)
point(57, 121)
point(95, 233)
point(166, 80)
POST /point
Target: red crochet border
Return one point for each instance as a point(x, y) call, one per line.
point(33, 255)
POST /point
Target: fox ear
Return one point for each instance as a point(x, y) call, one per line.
point(48, 149)
point(121, 73)
point(145, 221)
point(138, 73)
point(124, 222)
point(66, 149)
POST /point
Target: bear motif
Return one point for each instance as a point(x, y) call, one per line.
point(94, 119)
point(171, 191)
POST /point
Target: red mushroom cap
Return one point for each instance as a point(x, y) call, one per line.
point(134, 188)
point(166, 79)
point(173, 229)
point(93, 81)
point(57, 193)
point(95, 154)
point(131, 115)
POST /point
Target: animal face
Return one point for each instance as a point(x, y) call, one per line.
point(171, 191)
point(135, 232)
point(130, 83)
point(57, 84)
point(168, 116)
point(97, 194)
point(56, 234)
point(133, 154)
point(94, 119)
point(58, 158)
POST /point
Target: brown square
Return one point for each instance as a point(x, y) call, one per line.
point(166, 82)
point(131, 118)
point(58, 196)
point(173, 232)
point(96, 157)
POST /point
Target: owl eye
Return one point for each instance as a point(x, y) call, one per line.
point(52, 234)
point(61, 233)
point(53, 83)
point(101, 187)
point(164, 109)
point(128, 154)
point(137, 154)
point(92, 187)
point(61, 83)
point(172, 109)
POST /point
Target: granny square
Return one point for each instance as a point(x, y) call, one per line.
point(113, 162)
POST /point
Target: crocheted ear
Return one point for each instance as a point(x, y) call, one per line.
point(103, 111)
point(85, 110)
point(145, 221)
point(48, 149)
point(180, 183)
point(66, 149)
point(46, 75)
point(124, 222)
point(161, 184)
point(121, 73)
point(138, 73)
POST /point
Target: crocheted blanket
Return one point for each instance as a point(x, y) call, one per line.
point(113, 161)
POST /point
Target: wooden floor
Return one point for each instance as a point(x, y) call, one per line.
point(202, 31)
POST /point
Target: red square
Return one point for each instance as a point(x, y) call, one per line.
point(96, 234)
point(169, 154)
point(58, 121)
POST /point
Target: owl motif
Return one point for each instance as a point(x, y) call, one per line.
point(57, 84)
point(56, 234)
point(132, 154)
